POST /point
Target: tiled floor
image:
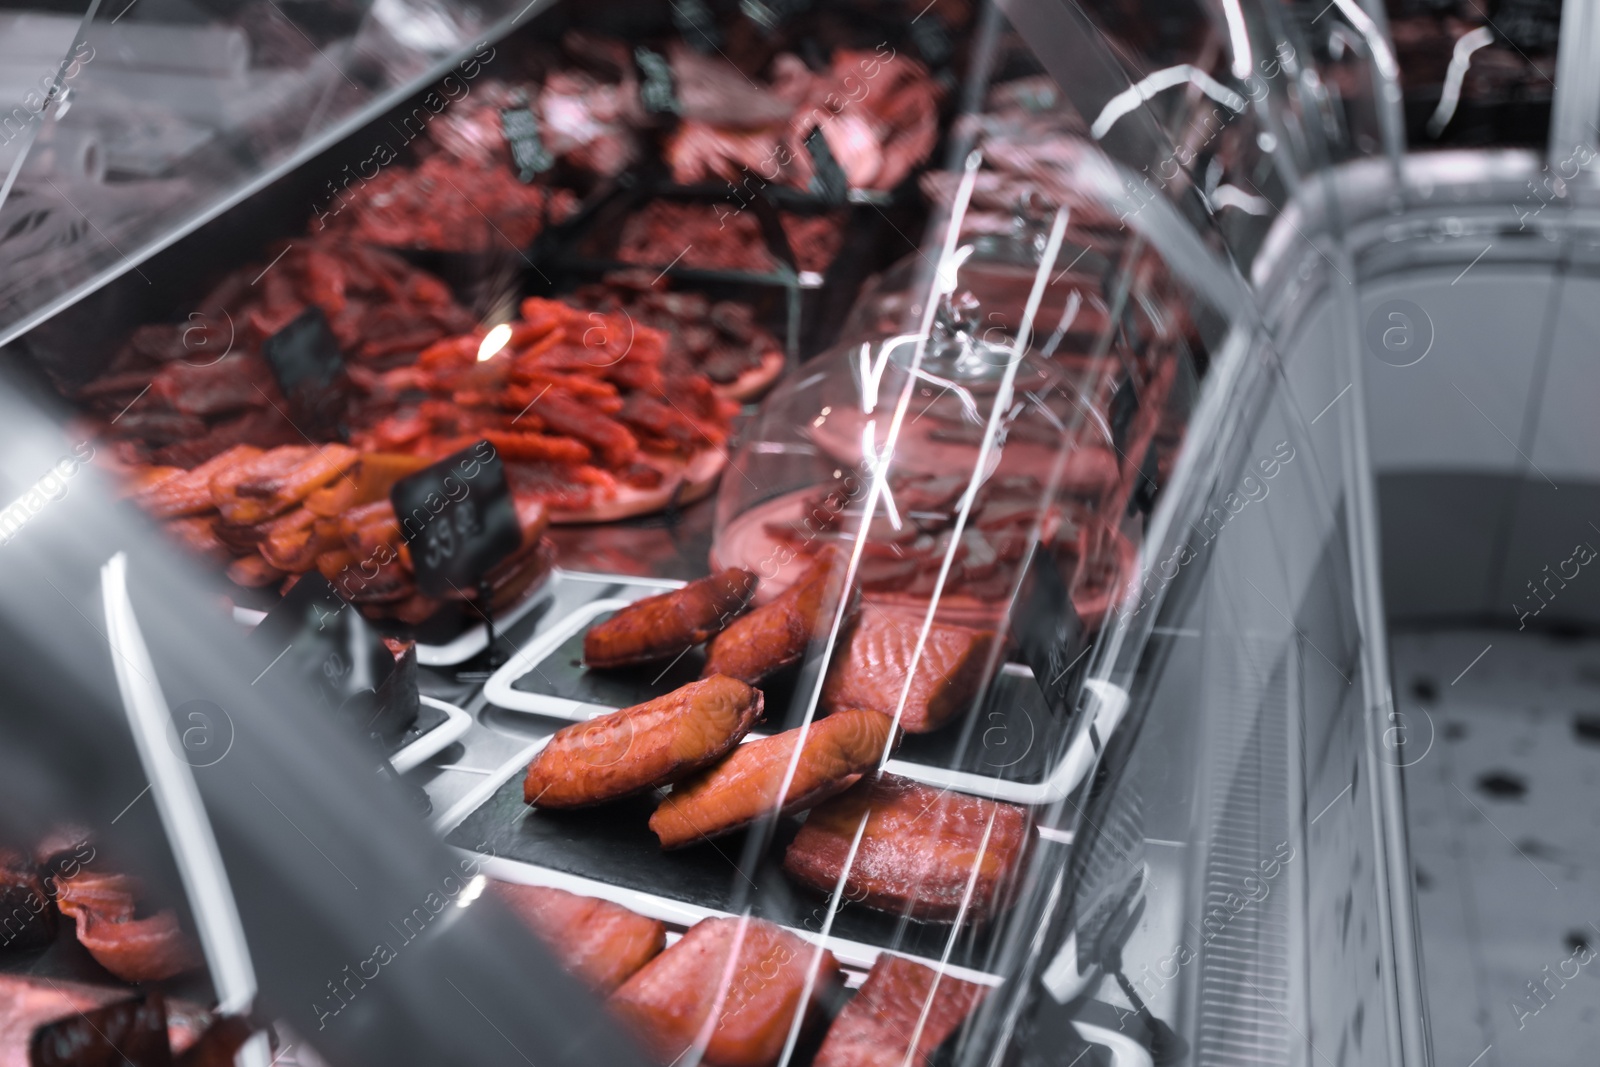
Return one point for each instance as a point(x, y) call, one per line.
point(1504, 814)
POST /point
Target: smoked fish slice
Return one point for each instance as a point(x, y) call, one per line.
point(667, 1003)
point(876, 667)
point(777, 633)
point(918, 851)
point(600, 942)
point(638, 748)
point(744, 787)
point(134, 949)
point(660, 627)
point(876, 1027)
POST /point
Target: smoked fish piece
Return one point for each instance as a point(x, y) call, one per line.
point(745, 786)
point(776, 634)
point(876, 1027)
point(638, 748)
point(660, 627)
point(918, 852)
point(189, 493)
point(876, 667)
point(755, 994)
point(134, 949)
point(600, 942)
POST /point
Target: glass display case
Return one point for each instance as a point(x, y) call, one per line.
point(1003, 683)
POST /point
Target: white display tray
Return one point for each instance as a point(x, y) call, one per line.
point(1109, 704)
point(435, 740)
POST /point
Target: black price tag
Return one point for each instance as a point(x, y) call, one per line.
point(306, 361)
point(1048, 632)
point(696, 25)
point(658, 93)
point(315, 634)
point(458, 518)
point(828, 182)
point(529, 155)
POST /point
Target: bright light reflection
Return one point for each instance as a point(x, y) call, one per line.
point(494, 341)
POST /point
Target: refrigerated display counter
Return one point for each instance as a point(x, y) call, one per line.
point(839, 533)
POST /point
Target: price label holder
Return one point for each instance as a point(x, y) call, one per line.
point(309, 368)
point(1049, 635)
point(520, 125)
point(828, 182)
point(459, 521)
point(316, 635)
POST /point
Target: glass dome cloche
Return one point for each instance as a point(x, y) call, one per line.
point(985, 446)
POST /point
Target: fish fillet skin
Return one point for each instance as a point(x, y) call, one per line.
point(776, 634)
point(668, 1002)
point(876, 1027)
point(660, 627)
point(651, 744)
point(745, 786)
point(918, 851)
point(876, 664)
point(600, 942)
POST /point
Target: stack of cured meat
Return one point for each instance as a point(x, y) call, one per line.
point(720, 339)
point(725, 237)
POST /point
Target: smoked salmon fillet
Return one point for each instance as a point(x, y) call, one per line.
point(876, 1027)
point(777, 633)
point(876, 666)
point(600, 942)
point(143, 949)
point(668, 1002)
point(918, 851)
point(638, 748)
point(46, 1020)
point(660, 627)
point(745, 786)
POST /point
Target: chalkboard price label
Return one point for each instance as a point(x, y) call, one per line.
point(529, 155)
point(658, 92)
point(458, 518)
point(309, 368)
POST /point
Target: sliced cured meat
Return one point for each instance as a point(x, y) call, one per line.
point(747, 784)
point(189, 492)
point(659, 627)
point(919, 851)
point(600, 942)
point(751, 973)
point(27, 914)
point(638, 748)
point(875, 670)
point(134, 949)
point(51, 1021)
point(877, 1027)
point(777, 633)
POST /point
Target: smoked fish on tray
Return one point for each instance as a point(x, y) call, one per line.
point(747, 785)
point(661, 627)
point(921, 849)
point(755, 994)
point(877, 1027)
point(776, 634)
point(600, 942)
point(651, 744)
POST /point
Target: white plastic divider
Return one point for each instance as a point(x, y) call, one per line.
point(1108, 704)
point(435, 741)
